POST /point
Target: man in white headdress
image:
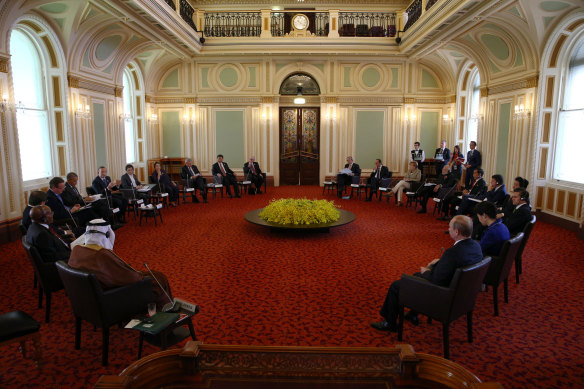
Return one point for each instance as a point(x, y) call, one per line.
point(93, 254)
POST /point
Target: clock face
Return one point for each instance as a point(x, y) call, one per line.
point(300, 22)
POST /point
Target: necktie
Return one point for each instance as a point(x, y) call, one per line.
point(59, 197)
point(191, 171)
point(52, 230)
point(377, 175)
point(222, 169)
point(252, 169)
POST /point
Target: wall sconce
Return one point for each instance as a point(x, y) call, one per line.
point(83, 112)
point(476, 117)
point(7, 105)
point(126, 116)
point(299, 99)
point(328, 116)
point(267, 116)
point(410, 118)
point(446, 118)
point(521, 111)
point(153, 118)
point(188, 119)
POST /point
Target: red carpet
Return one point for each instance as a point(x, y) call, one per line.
point(315, 289)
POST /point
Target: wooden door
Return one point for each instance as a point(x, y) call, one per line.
point(299, 142)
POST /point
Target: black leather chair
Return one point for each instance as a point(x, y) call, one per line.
point(18, 327)
point(102, 308)
point(501, 267)
point(445, 304)
point(518, 258)
point(414, 194)
point(90, 191)
point(47, 276)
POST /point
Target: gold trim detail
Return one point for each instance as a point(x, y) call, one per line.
point(119, 91)
point(409, 100)
point(484, 91)
point(190, 100)
point(73, 82)
point(4, 64)
point(267, 100)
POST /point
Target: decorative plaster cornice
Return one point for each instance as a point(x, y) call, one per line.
point(80, 83)
point(73, 82)
point(267, 100)
point(118, 91)
point(230, 100)
point(409, 100)
point(370, 100)
point(330, 99)
point(190, 100)
point(4, 61)
point(526, 83)
point(147, 99)
point(484, 91)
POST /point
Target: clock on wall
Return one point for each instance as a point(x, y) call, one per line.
point(300, 22)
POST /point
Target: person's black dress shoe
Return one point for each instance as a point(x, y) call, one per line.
point(195, 200)
point(421, 211)
point(238, 196)
point(412, 318)
point(205, 201)
point(383, 326)
point(367, 199)
point(259, 191)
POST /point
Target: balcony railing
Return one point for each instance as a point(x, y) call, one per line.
point(367, 24)
point(414, 12)
point(186, 13)
point(233, 24)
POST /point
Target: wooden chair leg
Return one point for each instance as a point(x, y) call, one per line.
point(469, 326)
point(48, 307)
point(446, 340)
point(105, 340)
point(495, 300)
point(506, 290)
point(192, 329)
point(140, 344)
point(40, 296)
point(400, 323)
point(77, 333)
point(517, 269)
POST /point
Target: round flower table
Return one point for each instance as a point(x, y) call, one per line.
point(345, 218)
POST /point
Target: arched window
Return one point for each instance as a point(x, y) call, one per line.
point(570, 135)
point(474, 103)
point(29, 78)
point(129, 113)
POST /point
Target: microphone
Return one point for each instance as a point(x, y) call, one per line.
point(170, 305)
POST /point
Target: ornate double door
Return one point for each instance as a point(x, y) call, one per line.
point(299, 145)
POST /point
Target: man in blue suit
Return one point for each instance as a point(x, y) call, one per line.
point(496, 232)
point(473, 161)
point(464, 252)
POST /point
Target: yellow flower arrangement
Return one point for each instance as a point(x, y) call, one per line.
point(300, 211)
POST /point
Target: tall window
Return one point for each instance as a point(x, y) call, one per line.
point(29, 77)
point(571, 116)
point(475, 98)
point(129, 121)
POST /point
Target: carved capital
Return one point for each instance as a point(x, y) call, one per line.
point(531, 82)
point(190, 100)
point(73, 82)
point(331, 99)
point(267, 100)
point(484, 91)
point(4, 62)
point(148, 99)
point(409, 100)
point(118, 91)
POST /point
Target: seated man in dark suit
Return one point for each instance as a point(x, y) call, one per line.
point(47, 240)
point(477, 190)
point(103, 185)
point(464, 252)
point(252, 172)
point(130, 181)
point(496, 195)
point(63, 214)
point(344, 179)
point(36, 197)
point(496, 233)
point(446, 180)
point(520, 215)
point(377, 175)
point(194, 179)
point(72, 196)
point(221, 169)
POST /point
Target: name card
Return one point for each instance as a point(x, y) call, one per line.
point(190, 189)
point(141, 201)
point(164, 195)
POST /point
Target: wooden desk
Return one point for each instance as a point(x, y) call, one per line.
point(200, 365)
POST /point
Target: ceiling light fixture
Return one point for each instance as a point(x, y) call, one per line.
point(299, 99)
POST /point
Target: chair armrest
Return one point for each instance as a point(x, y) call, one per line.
point(122, 303)
point(425, 297)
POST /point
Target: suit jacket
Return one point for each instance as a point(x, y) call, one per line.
point(216, 170)
point(184, 172)
point(355, 169)
point(445, 154)
point(447, 181)
point(127, 182)
point(493, 238)
point(26, 216)
point(497, 196)
point(383, 174)
point(50, 248)
point(71, 196)
point(247, 169)
point(474, 159)
point(58, 208)
point(517, 219)
point(465, 252)
point(479, 189)
point(100, 187)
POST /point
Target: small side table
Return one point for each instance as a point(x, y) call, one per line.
point(153, 212)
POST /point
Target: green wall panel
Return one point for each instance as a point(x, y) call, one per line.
point(171, 134)
point(371, 77)
point(369, 137)
point(428, 80)
point(347, 77)
point(205, 77)
point(228, 77)
point(252, 77)
point(229, 137)
point(171, 81)
point(394, 77)
point(106, 47)
point(503, 137)
point(429, 125)
point(99, 131)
